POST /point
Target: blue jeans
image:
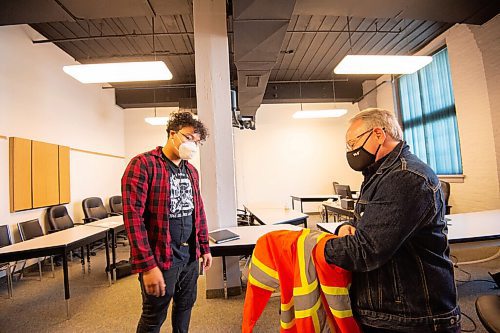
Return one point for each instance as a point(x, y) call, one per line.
point(181, 284)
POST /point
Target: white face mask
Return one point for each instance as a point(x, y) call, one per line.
point(187, 150)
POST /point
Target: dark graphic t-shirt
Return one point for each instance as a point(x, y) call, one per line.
point(181, 214)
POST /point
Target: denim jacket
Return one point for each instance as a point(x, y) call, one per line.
point(399, 255)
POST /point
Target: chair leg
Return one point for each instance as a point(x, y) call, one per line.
point(21, 271)
point(9, 281)
point(40, 269)
point(52, 265)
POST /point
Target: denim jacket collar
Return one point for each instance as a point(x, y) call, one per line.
point(393, 156)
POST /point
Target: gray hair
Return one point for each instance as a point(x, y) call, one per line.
point(374, 117)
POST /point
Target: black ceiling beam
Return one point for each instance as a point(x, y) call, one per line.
point(313, 92)
point(148, 97)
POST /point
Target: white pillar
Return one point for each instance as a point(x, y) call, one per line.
point(214, 110)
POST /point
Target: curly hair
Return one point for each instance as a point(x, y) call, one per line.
point(182, 119)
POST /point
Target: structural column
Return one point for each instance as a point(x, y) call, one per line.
point(217, 154)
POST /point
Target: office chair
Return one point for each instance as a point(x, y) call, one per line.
point(242, 217)
point(115, 204)
point(94, 210)
point(488, 311)
point(29, 230)
point(5, 240)
point(59, 219)
point(116, 207)
point(446, 193)
point(343, 190)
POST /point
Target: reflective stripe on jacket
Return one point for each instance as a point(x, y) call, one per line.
point(314, 294)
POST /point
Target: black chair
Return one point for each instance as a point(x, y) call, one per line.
point(115, 204)
point(242, 217)
point(343, 190)
point(488, 311)
point(94, 210)
point(116, 207)
point(5, 240)
point(29, 230)
point(446, 193)
point(59, 219)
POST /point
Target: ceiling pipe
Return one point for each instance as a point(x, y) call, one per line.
point(132, 35)
point(369, 91)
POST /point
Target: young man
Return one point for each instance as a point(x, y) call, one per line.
point(396, 246)
point(166, 225)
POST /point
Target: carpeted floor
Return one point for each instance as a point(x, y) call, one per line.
point(96, 307)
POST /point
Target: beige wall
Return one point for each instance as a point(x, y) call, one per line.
point(40, 102)
point(285, 156)
point(474, 57)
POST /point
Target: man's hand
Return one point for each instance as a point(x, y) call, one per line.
point(346, 230)
point(153, 281)
point(206, 260)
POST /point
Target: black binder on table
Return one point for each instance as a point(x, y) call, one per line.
point(222, 236)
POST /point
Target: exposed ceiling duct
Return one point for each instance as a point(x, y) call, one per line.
point(450, 11)
point(259, 27)
point(281, 51)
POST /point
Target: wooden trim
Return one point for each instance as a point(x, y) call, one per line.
point(452, 178)
point(3, 137)
point(97, 153)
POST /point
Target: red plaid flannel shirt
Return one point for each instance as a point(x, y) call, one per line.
point(146, 198)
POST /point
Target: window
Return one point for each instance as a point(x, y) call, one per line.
point(428, 115)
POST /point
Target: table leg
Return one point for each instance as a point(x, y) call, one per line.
point(88, 259)
point(113, 253)
point(293, 203)
point(224, 276)
point(301, 207)
point(326, 213)
point(66, 282)
point(108, 272)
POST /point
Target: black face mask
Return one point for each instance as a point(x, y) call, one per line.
point(360, 158)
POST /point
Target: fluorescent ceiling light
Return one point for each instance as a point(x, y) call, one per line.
point(381, 64)
point(119, 72)
point(335, 113)
point(156, 121)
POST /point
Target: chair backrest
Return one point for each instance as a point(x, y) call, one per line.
point(115, 204)
point(94, 208)
point(343, 190)
point(5, 237)
point(30, 229)
point(334, 188)
point(446, 190)
point(59, 218)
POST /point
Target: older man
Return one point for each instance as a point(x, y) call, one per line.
point(396, 246)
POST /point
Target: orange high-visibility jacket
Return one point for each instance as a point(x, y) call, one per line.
point(314, 294)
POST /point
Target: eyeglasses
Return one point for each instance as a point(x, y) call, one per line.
point(352, 143)
point(190, 138)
